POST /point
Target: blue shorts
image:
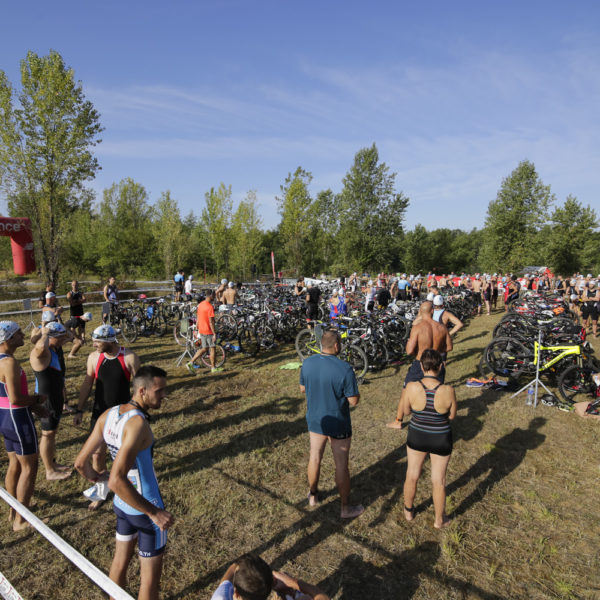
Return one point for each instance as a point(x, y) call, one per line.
point(151, 540)
point(18, 430)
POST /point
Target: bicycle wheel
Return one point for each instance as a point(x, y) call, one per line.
point(507, 357)
point(248, 342)
point(219, 357)
point(576, 384)
point(303, 342)
point(129, 331)
point(357, 359)
point(226, 327)
point(159, 326)
point(265, 335)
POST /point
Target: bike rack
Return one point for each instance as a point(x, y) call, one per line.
point(537, 380)
point(184, 328)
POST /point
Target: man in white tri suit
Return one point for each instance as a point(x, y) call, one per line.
point(141, 515)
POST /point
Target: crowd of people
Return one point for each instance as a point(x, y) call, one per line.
point(125, 392)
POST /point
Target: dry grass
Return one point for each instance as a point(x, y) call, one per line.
point(231, 457)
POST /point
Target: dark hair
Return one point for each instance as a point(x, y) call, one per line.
point(145, 375)
point(209, 293)
point(330, 338)
point(253, 579)
point(431, 360)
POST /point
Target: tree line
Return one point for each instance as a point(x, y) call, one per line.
point(48, 131)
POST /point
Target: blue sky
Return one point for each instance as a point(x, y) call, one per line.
point(454, 94)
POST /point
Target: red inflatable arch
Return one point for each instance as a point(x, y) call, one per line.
point(21, 242)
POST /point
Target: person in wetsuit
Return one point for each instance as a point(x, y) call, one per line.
point(48, 363)
point(112, 368)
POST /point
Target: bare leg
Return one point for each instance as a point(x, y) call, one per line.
point(12, 479)
point(123, 553)
point(317, 447)
point(150, 572)
point(25, 486)
point(54, 471)
point(99, 465)
point(211, 354)
point(595, 327)
point(341, 453)
point(439, 465)
point(413, 472)
point(77, 343)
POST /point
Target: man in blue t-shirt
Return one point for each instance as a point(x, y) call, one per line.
point(331, 389)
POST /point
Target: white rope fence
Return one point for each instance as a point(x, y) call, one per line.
point(82, 563)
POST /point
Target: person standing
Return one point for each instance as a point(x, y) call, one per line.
point(75, 298)
point(312, 299)
point(47, 362)
point(111, 295)
point(138, 505)
point(188, 287)
point(178, 280)
point(432, 406)
point(205, 321)
point(16, 422)
point(331, 389)
point(112, 367)
point(76, 326)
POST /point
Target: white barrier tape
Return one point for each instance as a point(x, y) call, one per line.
point(93, 572)
point(7, 591)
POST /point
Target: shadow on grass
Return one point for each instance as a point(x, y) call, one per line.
point(466, 427)
point(262, 437)
point(472, 337)
point(506, 455)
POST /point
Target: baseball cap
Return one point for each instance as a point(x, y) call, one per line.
point(438, 301)
point(55, 329)
point(7, 330)
point(104, 333)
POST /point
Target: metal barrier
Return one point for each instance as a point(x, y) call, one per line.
point(81, 562)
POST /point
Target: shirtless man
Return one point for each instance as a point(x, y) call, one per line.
point(221, 290)
point(16, 422)
point(425, 333)
point(230, 295)
point(477, 292)
point(111, 367)
point(48, 364)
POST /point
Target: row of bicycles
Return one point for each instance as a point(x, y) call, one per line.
point(539, 335)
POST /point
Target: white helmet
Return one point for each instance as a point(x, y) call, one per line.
point(104, 333)
point(430, 297)
point(223, 281)
point(438, 301)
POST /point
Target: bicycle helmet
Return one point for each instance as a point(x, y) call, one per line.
point(142, 297)
point(55, 329)
point(87, 316)
point(104, 333)
point(223, 281)
point(231, 284)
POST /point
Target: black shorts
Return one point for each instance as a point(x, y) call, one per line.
point(434, 443)
point(179, 287)
point(312, 312)
point(55, 409)
point(588, 311)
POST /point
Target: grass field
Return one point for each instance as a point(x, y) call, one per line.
point(231, 455)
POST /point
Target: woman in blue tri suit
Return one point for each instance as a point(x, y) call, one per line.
point(432, 406)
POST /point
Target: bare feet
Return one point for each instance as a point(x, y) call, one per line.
point(409, 513)
point(350, 512)
point(313, 499)
point(21, 524)
point(394, 425)
point(58, 475)
point(445, 522)
point(59, 467)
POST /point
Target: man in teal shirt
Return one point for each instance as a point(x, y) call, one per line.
point(331, 389)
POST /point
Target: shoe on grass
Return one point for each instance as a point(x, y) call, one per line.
point(216, 369)
point(191, 367)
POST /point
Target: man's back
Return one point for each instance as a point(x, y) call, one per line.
point(427, 333)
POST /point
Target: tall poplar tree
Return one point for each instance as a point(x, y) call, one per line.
point(46, 138)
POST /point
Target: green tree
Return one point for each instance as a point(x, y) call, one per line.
point(46, 140)
point(216, 220)
point(246, 235)
point(371, 214)
point(572, 225)
point(514, 219)
point(295, 210)
point(416, 250)
point(324, 229)
point(167, 232)
point(125, 240)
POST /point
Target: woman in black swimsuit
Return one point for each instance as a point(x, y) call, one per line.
point(432, 406)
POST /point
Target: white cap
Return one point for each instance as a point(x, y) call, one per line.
point(190, 277)
point(223, 281)
point(48, 316)
point(87, 316)
point(7, 330)
point(53, 295)
point(55, 329)
point(430, 297)
point(574, 296)
point(104, 333)
point(438, 301)
point(231, 284)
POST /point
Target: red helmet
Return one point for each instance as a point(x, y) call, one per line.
point(142, 297)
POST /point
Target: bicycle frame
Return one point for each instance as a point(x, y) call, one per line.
point(566, 351)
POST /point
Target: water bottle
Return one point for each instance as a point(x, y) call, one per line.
point(530, 396)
